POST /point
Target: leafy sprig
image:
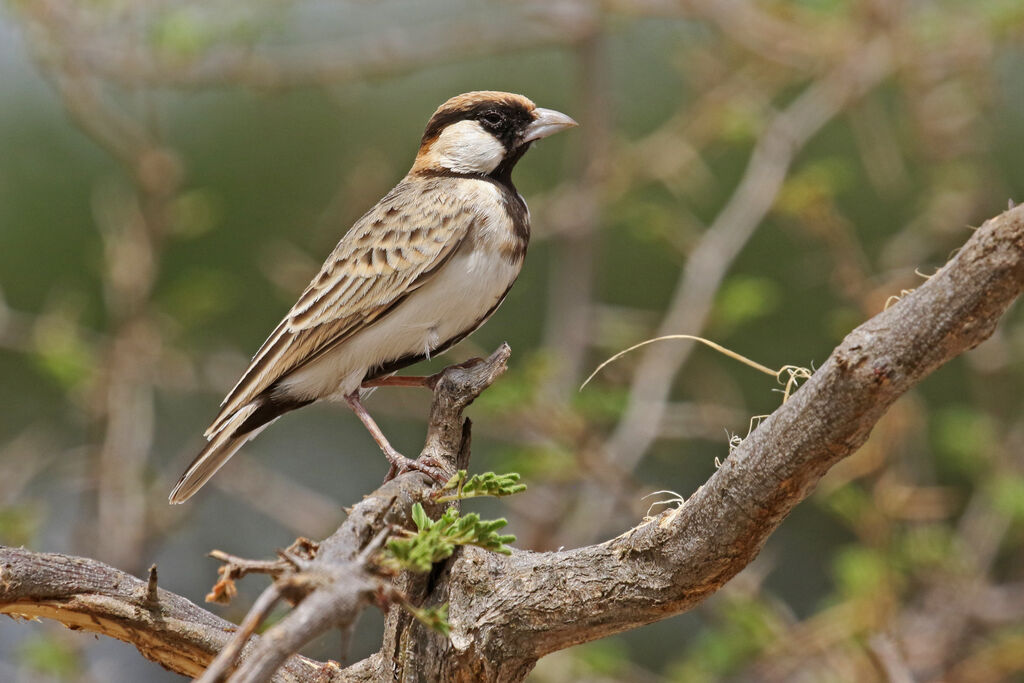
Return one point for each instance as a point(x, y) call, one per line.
point(486, 484)
point(436, 540)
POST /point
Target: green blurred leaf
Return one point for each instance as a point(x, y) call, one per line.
point(861, 572)
point(435, 618)
point(607, 657)
point(1007, 492)
point(600, 402)
point(198, 295)
point(963, 438)
point(187, 31)
point(928, 546)
point(49, 656)
point(850, 502)
point(738, 122)
point(548, 462)
point(744, 627)
point(60, 351)
point(817, 182)
point(829, 6)
point(181, 31)
point(518, 387)
point(195, 212)
point(841, 320)
point(654, 221)
point(744, 298)
point(18, 524)
point(1005, 17)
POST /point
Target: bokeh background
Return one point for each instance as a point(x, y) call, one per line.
point(765, 173)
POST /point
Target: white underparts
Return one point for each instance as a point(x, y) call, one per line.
point(465, 147)
point(451, 304)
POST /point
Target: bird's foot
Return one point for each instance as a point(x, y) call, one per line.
point(428, 466)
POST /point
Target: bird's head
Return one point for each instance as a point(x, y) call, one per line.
point(484, 133)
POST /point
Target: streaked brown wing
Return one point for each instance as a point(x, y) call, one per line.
point(390, 252)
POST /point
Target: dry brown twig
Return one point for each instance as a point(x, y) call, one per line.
point(508, 611)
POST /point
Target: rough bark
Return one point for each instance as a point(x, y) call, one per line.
point(506, 612)
point(88, 595)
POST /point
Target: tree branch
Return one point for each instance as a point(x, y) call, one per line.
point(88, 595)
point(337, 584)
point(719, 246)
point(505, 612)
point(109, 52)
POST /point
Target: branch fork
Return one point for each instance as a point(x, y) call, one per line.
point(339, 577)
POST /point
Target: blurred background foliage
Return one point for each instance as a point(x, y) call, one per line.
point(763, 173)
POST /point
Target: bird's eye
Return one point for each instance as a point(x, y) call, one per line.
point(491, 118)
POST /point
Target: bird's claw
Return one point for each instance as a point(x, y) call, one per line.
point(428, 466)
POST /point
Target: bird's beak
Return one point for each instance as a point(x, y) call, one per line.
point(547, 122)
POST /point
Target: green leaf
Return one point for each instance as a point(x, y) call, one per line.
point(436, 540)
point(419, 517)
point(486, 484)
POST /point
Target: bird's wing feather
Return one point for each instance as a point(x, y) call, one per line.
point(390, 252)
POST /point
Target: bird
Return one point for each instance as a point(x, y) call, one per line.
point(419, 272)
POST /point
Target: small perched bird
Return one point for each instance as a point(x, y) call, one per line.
point(415, 275)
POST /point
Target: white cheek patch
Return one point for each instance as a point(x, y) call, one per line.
point(465, 147)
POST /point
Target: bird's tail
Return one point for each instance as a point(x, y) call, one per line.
point(223, 444)
point(228, 435)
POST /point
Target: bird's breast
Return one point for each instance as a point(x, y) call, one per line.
point(507, 226)
point(457, 300)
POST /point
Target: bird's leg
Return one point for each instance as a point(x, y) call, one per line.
point(399, 463)
point(429, 381)
point(398, 381)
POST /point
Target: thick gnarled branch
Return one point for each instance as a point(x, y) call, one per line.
point(172, 631)
point(338, 583)
point(506, 612)
point(88, 595)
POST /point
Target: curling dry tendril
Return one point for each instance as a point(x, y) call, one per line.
point(792, 373)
